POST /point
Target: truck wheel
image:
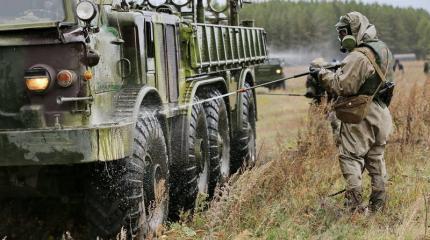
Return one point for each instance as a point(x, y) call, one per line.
point(131, 193)
point(244, 146)
point(219, 138)
point(192, 170)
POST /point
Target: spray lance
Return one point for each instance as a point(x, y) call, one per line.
point(334, 67)
point(242, 90)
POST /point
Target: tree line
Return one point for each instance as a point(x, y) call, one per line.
point(310, 24)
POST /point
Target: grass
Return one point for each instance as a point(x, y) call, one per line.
point(280, 118)
point(286, 196)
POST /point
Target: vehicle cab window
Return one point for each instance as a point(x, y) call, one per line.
point(34, 11)
point(150, 47)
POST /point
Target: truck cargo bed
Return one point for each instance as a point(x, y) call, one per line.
point(220, 47)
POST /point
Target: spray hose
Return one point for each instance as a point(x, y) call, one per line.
point(243, 90)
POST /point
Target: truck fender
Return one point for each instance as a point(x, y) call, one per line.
point(131, 99)
point(191, 89)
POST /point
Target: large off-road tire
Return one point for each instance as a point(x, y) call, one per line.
point(131, 193)
point(219, 137)
point(191, 170)
point(243, 149)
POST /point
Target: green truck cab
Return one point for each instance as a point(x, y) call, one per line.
point(272, 69)
point(100, 96)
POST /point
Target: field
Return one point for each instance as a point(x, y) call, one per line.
point(286, 195)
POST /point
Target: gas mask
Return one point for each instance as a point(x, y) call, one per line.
point(347, 41)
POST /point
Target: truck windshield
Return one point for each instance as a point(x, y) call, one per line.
point(31, 11)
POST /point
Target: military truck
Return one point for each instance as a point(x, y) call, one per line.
point(100, 102)
point(272, 69)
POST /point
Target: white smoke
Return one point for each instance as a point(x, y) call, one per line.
point(303, 55)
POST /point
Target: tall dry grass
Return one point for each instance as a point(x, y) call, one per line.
point(288, 198)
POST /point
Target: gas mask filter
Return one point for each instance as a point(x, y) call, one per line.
point(347, 40)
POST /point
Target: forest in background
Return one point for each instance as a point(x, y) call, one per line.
point(308, 26)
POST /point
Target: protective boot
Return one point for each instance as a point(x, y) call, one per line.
point(377, 201)
point(354, 200)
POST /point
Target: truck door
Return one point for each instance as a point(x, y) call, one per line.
point(166, 59)
point(130, 63)
point(160, 60)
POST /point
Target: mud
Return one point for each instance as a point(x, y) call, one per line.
point(40, 219)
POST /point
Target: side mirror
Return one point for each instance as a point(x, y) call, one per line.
point(86, 11)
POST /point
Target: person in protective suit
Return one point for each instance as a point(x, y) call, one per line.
point(362, 145)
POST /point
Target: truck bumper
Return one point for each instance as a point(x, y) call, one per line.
point(66, 146)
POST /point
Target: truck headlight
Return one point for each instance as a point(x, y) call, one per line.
point(37, 79)
point(86, 11)
point(278, 71)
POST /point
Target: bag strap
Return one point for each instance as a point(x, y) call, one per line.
point(371, 56)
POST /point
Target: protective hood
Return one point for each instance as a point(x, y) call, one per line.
point(361, 29)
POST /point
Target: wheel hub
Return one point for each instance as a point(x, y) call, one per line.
point(224, 155)
point(251, 145)
point(198, 150)
point(202, 181)
point(220, 145)
point(155, 204)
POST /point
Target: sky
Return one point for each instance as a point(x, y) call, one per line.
point(403, 3)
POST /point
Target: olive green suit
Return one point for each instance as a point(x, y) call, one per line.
point(362, 145)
